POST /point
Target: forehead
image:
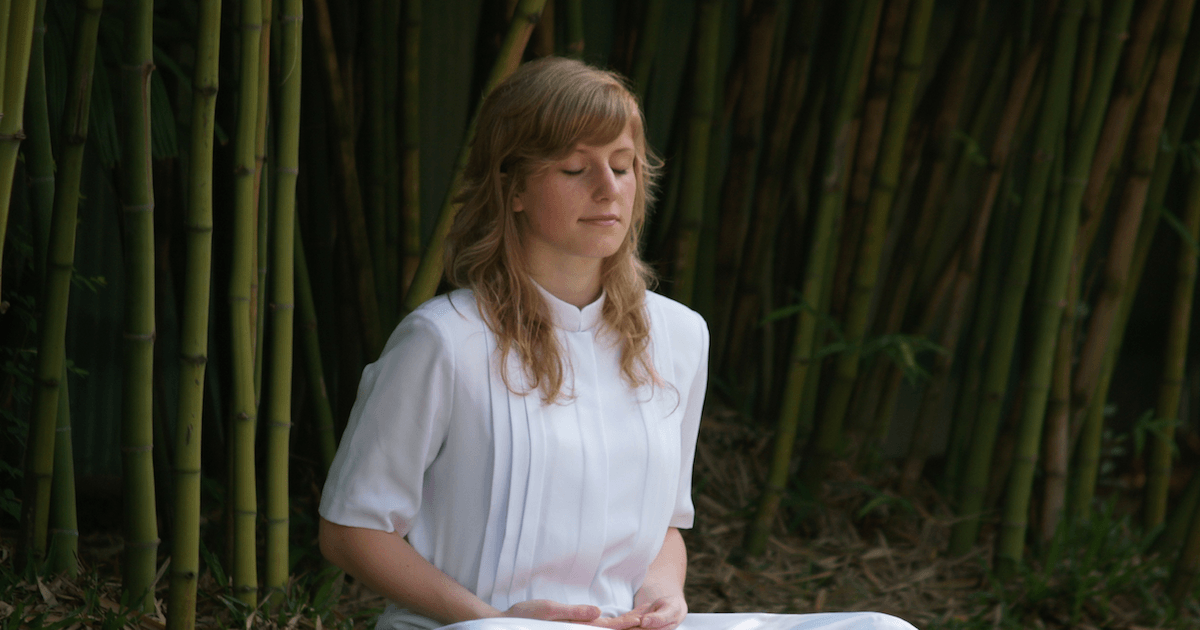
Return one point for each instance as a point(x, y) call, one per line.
point(621, 144)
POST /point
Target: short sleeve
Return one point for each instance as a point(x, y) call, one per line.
point(396, 428)
point(695, 383)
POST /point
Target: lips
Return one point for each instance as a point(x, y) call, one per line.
point(602, 220)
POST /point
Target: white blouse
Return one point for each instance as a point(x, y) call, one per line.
point(518, 500)
point(512, 498)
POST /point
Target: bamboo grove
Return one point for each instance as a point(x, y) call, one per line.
point(943, 245)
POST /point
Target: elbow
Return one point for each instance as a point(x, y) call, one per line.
point(330, 541)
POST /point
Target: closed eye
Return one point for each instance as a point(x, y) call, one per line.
point(570, 172)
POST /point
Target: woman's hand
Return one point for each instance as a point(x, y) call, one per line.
point(661, 596)
point(664, 613)
point(548, 610)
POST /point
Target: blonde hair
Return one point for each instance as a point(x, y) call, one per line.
point(537, 115)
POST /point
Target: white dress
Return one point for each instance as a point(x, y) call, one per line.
point(518, 500)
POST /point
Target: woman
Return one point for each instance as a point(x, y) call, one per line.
point(531, 434)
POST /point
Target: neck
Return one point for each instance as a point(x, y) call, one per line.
point(578, 286)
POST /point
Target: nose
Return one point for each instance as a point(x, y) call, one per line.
point(604, 184)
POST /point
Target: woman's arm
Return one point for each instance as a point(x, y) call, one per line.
point(661, 594)
point(388, 565)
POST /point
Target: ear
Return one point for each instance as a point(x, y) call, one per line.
point(517, 204)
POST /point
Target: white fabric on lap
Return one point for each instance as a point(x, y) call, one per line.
point(717, 621)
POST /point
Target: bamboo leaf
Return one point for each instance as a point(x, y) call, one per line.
point(1180, 229)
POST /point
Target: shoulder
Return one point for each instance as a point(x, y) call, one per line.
point(444, 318)
point(677, 318)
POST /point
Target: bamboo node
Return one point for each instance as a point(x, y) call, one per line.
point(199, 229)
point(150, 336)
point(194, 359)
point(246, 512)
point(277, 521)
point(66, 532)
point(287, 306)
point(145, 448)
point(245, 589)
point(66, 429)
point(287, 17)
point(16, 135)
point(290, 170)
point(145, 207)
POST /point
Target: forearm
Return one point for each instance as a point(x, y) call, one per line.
point(388, 565)
point(666, 573)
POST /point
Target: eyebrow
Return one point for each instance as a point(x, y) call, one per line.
point(580, 149)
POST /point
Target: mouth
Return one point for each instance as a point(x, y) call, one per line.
point(602, 220)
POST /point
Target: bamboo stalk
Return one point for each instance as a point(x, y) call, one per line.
point(1052, 306)
point(352, 200)
point(1162, 442)
point(60, 256)
point(1132, 203)
point(39, 156)
point(411, 222)
point(283, 299)
point(1175, 532)
point(1120, 110)
point(243, 416)
point(1001, 347)
point(695, 164)
point(39, 164)
point(1088, 451)
point(647, 46)
point(866, 154)
point(140, 562)
point(64, 526)
point(737, 195)
point(312, 355)
point(943, 148)
point(574, 11)
point(258, 283)
point(1187, 565)
point(393, 58)
point(193, 338)
point(874, 230)
point(375, 198)
point(429, 272)
point(754, 284)
point(16, 27)
point(1085, 63)
point(859, 30)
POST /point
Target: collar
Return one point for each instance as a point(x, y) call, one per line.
point(571, 318)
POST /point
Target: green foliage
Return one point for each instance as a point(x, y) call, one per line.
point(1089, 568)
point(901, 349)
point(1146, 425)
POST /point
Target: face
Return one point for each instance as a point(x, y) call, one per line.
point(577, 211)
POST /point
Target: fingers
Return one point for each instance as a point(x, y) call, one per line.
point(631, 619)
point(548, 610)
point(664, 614)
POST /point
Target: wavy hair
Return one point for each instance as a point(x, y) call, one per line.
point(536, 116)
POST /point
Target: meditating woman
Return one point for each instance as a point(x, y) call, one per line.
point(531, 434)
